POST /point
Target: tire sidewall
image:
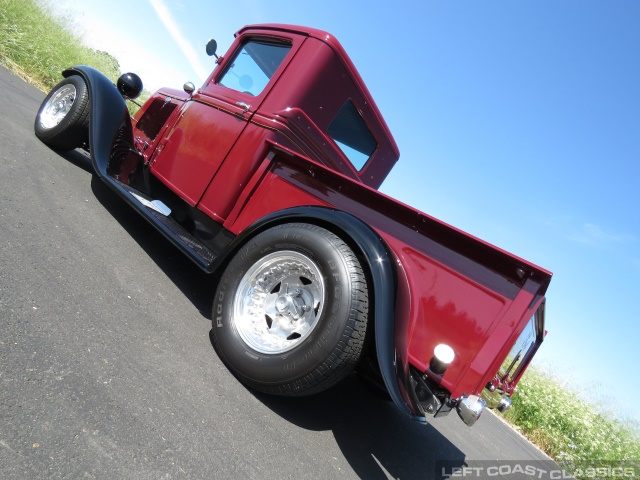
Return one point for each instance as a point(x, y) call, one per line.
point(314, 350)
point(70, 126)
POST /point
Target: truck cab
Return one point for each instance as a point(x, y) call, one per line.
point(319, 108)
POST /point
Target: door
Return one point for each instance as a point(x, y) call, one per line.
point(214, 119)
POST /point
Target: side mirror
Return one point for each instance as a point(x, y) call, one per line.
point(212, 46)
point(129, 85)
point(189, 87)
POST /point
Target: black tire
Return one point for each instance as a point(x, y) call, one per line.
point(289, 270)
point(63, 118)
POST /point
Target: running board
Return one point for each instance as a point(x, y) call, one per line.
point(158, 215)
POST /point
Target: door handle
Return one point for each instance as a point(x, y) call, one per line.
point(245, 107)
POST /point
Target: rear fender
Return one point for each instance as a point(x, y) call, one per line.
point(371, 248)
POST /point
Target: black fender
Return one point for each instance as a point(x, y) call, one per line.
point(113, 152)
point(110, 123)
point(371, 248)
point(112, 149)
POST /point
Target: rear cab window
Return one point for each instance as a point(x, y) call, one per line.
point(352, 135)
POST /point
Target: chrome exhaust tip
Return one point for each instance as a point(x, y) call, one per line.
point(504, 405)
point(470, 408)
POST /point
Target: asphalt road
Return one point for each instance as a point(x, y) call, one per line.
point(107, 370)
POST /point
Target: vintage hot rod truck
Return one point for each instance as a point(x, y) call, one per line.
point(267, 177)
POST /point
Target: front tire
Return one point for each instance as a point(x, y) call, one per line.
point(290, 311)
point(63, 118)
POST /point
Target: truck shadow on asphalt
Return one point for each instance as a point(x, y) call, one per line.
point(195, 284)
point(78, 158)
point(375, 438)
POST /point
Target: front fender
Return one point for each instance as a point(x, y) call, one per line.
point(380, 263)
point(110, 130)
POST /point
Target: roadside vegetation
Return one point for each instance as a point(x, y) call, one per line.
point(38, 45)
point(35, 45)
point(571, 430)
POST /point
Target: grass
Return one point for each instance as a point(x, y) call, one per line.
point(38, 45)
point(35, 44)
point(569, 429)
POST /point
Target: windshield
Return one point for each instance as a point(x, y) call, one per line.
point(253, 66)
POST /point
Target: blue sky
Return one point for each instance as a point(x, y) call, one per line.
point(518, 122)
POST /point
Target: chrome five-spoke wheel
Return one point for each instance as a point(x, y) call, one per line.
point(278, 302)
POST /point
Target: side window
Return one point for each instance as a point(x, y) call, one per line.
point(351, 134)
point(526, 341)
point(253, 66)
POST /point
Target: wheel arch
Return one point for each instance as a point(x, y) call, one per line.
point(108, 117)
point(377, 262)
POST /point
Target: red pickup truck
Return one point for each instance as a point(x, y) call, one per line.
point(267, 177)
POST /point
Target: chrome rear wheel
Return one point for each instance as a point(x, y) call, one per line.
point(278, 302)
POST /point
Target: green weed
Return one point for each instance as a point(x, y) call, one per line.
point(38, 45)
point(35, 44)
point(569, 428)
